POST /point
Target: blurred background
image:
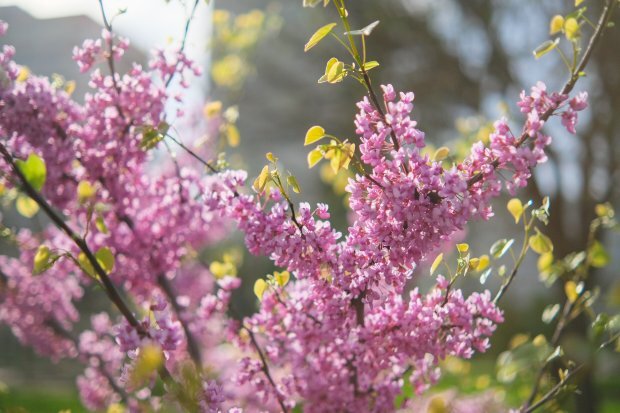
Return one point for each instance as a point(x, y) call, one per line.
point(466, 62)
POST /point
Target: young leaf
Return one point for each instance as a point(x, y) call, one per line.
point(441, 154)
point(515, 207)
point(540, 243)
point(436, 263)
point(26, 206)
point(260, 286)
point(41, 259)
point(483, 263)
point(33, 170)
point(282, 278)
point(370, 65)
point(570, 288)
point(85, 191)
point(571, 29)
point(556, 25)
point(545, 48)
point(318, 36)
point(336, 73)
point(314, 134)
point(314, 157)
point(598, 255)
point(292, 181)
point(462, 248)
point(105, 258)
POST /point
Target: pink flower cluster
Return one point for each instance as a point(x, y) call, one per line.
point(341, 336)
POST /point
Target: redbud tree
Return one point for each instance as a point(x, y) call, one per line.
point(337, 327)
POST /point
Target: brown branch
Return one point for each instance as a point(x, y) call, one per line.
point(107, 284)
point(265, 367)
point(192, 345)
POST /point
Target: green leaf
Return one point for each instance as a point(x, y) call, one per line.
point(314, 134)
point(100, 225)
point(500, 247)
point(462, 248)
point(436, 263)
point(441, 154)
point(318, 36)
point(85, 264)
point(598, 256)
point(370, 65)
point(545, 48)
point(41, 260)
point(540, 243)
point(85, 191)
point(105, 258)
point(292, 181)
point(26, 206)
point(336, 73)
point(33, 170)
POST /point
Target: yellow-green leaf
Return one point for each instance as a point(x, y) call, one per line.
point(578, 2)
point(318, 36)
point(85, 264)
point(556, 24)
point(484, 262)
point(100, 225)
point(41, 259)
point(282, 278)
point(149, 360)
point(441, 154)
point(545, 261)
point(292, 181)
point(545, 48)
point(314, 157)
point(515, 207)
point(570, 288)
point(540, 243)
point(462, 248)
point(598, 256)
point(571, 29)
point(370, 65)
point(34, 170)
point(232, 135)
point(271, 157)
point(261, 180)
point(85, 191)
point(26, 206)
point(314, 134)
point(336, 73)
point(260, 286)
point(105, 258)
point(436, 263)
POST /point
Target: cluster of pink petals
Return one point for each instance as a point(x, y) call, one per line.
point(340, 337)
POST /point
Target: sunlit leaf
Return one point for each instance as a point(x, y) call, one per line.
point(366, 31)
point(105, 258)
point(41, 259)
point(598, 256)
point(26, 206)
point(34, 170)
point(570, 288)
point(500, 247)
point(515, 207)
point(260, 286)
point(545, 48)
point(314, 157)
point(292, 181)
point(436, 263)
point(282, 278)
point(318, 36)
point(556, 25)
point(441, 154)
point(314, 134)
point(540, 243)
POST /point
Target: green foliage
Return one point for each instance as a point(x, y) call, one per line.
point(34, 170)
